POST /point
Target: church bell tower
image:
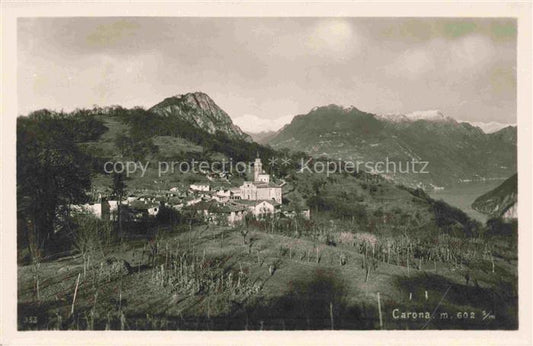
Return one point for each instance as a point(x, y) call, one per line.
point(258, 168)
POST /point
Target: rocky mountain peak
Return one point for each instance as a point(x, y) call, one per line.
point(200, 110)
point(199, 100)
point(430, 115)
point(345, 109)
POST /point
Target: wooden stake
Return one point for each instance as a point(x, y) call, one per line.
point(36, 273)
point(379, 309)
point(84, 265)
point(331, 314)
point(37, 287)
point(208, 309)
point(95, 299)
point(397, 257)
point(75, 293)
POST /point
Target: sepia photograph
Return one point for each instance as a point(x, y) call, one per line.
point(277, 173)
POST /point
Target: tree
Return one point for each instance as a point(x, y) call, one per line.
point(118, 189)
point(318, 184)
point(135, 148)
point(90, 235)
point(244, 232)
point(51, 173)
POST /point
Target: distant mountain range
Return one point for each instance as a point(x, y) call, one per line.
point(200, 110)
point(507, 135)
point(456, 151)
point(489, 127)
point(500, 202)
point(263, 137)
point(430, 115)
point(433, 115)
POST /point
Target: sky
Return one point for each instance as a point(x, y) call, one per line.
point(264, 71)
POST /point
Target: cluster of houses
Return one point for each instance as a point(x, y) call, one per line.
point(223, 205)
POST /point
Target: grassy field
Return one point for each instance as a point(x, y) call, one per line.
point(213, 278)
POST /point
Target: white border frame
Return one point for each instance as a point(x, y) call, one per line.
point(8, 275)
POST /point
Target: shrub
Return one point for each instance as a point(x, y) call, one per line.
point(346, 238)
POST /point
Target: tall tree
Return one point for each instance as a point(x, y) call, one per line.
point(118, 189)
point(51, 173)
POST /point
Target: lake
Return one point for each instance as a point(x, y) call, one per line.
point(463, 195)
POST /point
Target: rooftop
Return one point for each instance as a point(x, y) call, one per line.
point(215, 207)
point(254, 203)
point(262, 185)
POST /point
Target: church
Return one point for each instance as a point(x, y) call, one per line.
point(261, 188)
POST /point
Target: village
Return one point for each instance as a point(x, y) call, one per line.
point(214, 203)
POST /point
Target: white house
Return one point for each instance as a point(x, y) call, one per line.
point(90, 208)
point(104, 210)
point(291, 212)
point(259, 208)
point(193, 201)
point(218, 213)
point(262, 208)
point(235, 193)
point(199, 187)
point(153, 211)
point(224, 193)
